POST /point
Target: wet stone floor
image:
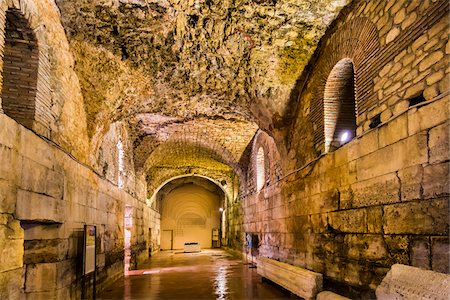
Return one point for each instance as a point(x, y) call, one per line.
point(209, 274)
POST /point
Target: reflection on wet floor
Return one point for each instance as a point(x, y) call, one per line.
point(210, 274)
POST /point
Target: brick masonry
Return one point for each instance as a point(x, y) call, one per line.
point(382, 198)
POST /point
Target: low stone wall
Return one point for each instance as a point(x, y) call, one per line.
point(46, 197)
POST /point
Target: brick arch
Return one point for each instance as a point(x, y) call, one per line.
point(339, 105)
point(37, 116)
point(356, 41)
point(164, 180)
point(196, 145)
point(272, 159)
point(215, 148)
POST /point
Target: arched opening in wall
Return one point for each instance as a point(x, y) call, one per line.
point(340, 105)
point(20, 69)
point(260, 169)
point(120, 165)
point(192, 214)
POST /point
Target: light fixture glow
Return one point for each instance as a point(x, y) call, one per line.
point(221, 209)
point(345, 137)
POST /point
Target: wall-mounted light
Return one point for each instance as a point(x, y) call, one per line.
point(221, 209)
point(345, 137)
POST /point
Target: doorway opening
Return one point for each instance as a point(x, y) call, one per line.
point(128, 224)
point(167, 240)
point(149, 243)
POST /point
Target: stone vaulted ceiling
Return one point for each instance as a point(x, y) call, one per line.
point(216, 69)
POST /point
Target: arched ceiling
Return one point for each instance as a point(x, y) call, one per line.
point(170, 140)
point(216, 69)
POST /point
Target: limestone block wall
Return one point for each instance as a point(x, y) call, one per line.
point(46, 199)
point(383, 197)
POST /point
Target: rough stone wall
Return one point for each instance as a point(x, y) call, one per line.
point(47, 197)
point(383, 197)
point(59, 113)
point(107, 160)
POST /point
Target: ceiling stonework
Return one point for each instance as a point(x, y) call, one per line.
point(182, 61)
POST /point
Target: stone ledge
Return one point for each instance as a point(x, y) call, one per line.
point(302, 282)
point(406, 282)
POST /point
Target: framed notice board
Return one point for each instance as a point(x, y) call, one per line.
point(90, 234)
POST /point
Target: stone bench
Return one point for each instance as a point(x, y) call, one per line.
point(406, 282)
point(191, 247)
point(299, 281)
point(327, 295)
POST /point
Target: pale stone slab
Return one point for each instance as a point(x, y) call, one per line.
point(327, 295)
point(36, 207)
point(406, 282)
point(302, 282)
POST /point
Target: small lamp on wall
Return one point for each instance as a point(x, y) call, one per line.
point(345, 137)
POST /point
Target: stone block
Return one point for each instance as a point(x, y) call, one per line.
point(419, 118)
point(36, 231)
point(327, 295)
point(423, 217)
point(415, 89)
point(380, 190)
point(55, 184)
point(11, 252)
point(436, 180)
point(8, 197)
point(365, 246)
point(430, 60)
point(420, 253)
point(41, 277)
point(39, 208)
point(374, 219)
point(440, 254)
point(33, 147)
point(9, 164)
point(319, 223)
point(408, 152)
point(11, 228)
point(10, 283)
point(341, 156)
point(352, 221)
point(346, 197)
point(9, 133)
point(368, 143)
point(398, 246)
point(347, 174)
point(435, 77)
point(411, 183)
point(393, 131)
point(438, 143)
point(45, 250)
point(33, 176)
point(323, 202)
point(392, 34)
point(65, 273)
point(302, 282)
point(411, 18)
point(406, 282)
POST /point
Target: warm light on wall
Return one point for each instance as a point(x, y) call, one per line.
point(345, 136)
